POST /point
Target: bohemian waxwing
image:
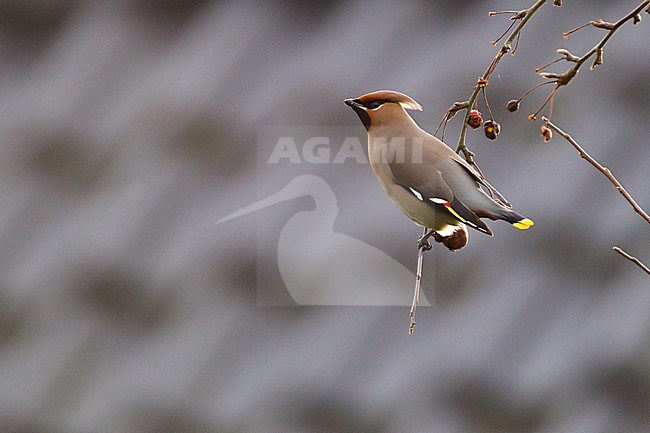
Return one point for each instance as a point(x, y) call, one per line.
point(427, 180)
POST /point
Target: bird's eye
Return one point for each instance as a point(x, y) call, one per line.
point(375, 104)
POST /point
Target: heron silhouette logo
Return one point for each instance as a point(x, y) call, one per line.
point(321, 267)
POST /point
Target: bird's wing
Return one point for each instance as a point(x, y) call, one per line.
point(494, 194)
point(427, 185)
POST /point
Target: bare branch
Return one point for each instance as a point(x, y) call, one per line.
point(423, 246)
point(632, 259)
point(565, 35)
point(566, 77)
point(524, 15)
point(604, 170)
point(451, 112)
point(541, 68)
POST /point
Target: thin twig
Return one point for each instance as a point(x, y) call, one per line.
point(532, 89)
point(565, 35)
point(549, 98)
point(566, 77)
point(604, 170)
point(514, 50)
point(610, 33)
point(506, 47)
point(491, 13)
point(541, 68)
point(496, 41)
point(418, 279)
point(487, 104)
point(451, 112)
point(632, 259)
point(443, 121)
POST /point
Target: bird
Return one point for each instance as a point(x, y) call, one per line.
point(429, 182)
point(321, 267)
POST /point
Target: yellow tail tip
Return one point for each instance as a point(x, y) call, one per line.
point(524, 224)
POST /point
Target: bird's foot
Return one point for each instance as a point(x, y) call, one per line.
point(424, 244)
point(423, 241)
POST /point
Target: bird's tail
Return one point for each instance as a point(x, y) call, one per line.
point(521, 222)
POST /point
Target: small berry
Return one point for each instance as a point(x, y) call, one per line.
point(513, 105)
point(491, 129)
point(546, 133)
point(475, 120)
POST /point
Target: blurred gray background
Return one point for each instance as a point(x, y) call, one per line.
point(128, 128)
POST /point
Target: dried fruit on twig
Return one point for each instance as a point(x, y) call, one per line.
point(546, 133)
point(475, 120)
point(513, 105)
point(491, 129)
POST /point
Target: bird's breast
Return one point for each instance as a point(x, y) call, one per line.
point(421, 213)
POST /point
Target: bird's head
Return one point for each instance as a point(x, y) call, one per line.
point(382, 106)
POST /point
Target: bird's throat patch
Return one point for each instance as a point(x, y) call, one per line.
point(365, 118)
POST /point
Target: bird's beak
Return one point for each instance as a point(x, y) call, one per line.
point(361, 111)
point(354, 103)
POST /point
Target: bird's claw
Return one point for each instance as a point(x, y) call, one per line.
point(423, 243)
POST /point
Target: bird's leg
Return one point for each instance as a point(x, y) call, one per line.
point(423, 245)
point(423, 241)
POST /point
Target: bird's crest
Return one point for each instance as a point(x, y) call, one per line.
point(391, 96)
